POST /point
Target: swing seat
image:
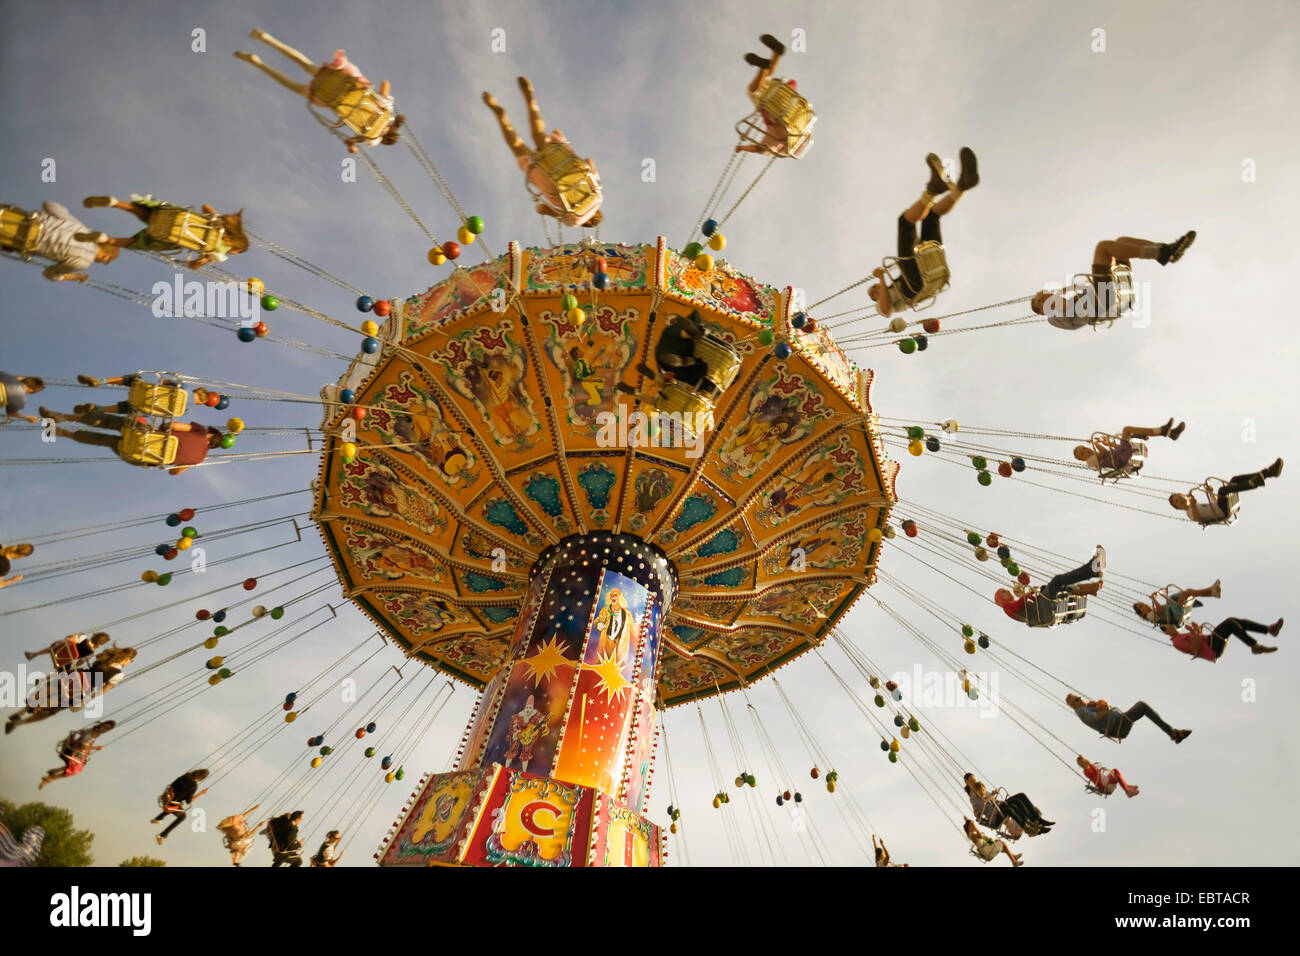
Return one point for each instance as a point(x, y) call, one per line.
point(64, 654)
point(931, 262)
point(575, 183)
point(1065, 610)
point(1210, 487)
point(148, 448)
point(722, 361)
point(19, 230)
point(164, 401)
point(779, 105)
point(1108, 300)
point(1102, 442)
point(186, 229)
point(359, 107)
point(678, 400)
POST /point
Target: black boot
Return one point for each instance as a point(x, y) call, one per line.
point(753, 59)
point(937, 185)
point(772, 43)
point(970, 174)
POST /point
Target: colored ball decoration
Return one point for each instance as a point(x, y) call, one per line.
point(245, 334)
point(898, 324)
point(879, 700)
point(388, 777)
point(261, 330)
point(347, 396)
point(383, 307)
point(235, 425)
point(277, 613)
point(184, 544)
point(210, 643)
point(202, 614)
point(973, 537)
point(704, 262)
point(884, 745)
point(692, 250)
point(782, 350)
point(932, 444)
point(451, 249)
point(890, 531)
point(464, 235)
point(981, 554)
point(600, 280)
point(810, 326)
point(221, 630)
point(370, 751)
point(915, 431)
point(922, 342)
point(224, 403)
point(259, 610)
point(370, 327)
point(985, 478)
point(474, 224)
point(717, 242)
point(358, 413)
point(173, 520)
point(256, 286)
point(914, 724)
point(326, 751)
point(149, 577)
point(386, 762)
point(907, 346)
point(980, 462)
point(370, 345)
point(983, 641)
point(225, 672)
point(893, 757)
point(365, 303)
point(270, 303)
point(291, 717)
point(874, 535)
point(1003, 550)
point(766, 337)
point(799, 320)
point(576, 316)
point(214, 680)
point(370, 727)
point(1013, 569)
point(710, 227)
point(250, 583)
point(189, 532)
point(969, 646)
point(568, 302)
point(227, 441)
point(967, 631)
point(1023, 578)
point(910, 529)
point(212, 399)
point(1004, 469)
point(361, 732)
point(215, 662)
point(931, 326)
point(916, 448)
point(1017, 464)
point(348, 449)
point(161, 550)
point(436, 256)
point(164, 579)
point(895, 746)
point(315, 762)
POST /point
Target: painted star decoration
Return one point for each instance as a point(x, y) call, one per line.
point(612, 681)
point(544, 663)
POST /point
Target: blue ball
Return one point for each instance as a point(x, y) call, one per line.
point(932, 443)
point(370, 345)
point(922, 342)
point(347, 396)
point(1017, 464)
point(799, 320)
point(290, 697)
point(365, 303)
point(223, 403)
point(246, 334)
point(173, 520)
point(1004, 552)
point(219, 616)
point(710, 227)
point(782, 350)
point(600, 279)
point(370, 727)
point(161, 549)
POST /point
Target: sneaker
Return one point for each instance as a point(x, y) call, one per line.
point(90, 380)
point(1099, 560)
point(937, 185)
point(1276, 629)
point(970, 176)
point(1274, 470)
point(753, 59)
point(9, 727)
point(1261, 649)
point(1182, 244)
point(91, 202)
point(1178, 736)
point(772, 43)
point(1176, 431)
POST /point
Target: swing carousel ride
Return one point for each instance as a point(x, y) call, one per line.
point(594, 482)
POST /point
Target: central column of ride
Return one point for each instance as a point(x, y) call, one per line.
point(556, 761)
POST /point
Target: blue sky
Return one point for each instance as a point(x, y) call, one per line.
point(1147, 138)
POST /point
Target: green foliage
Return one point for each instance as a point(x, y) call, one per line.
point(64, 844)
point(143, 861)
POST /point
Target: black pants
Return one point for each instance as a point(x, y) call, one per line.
point(907, 245)
point(1237, 484)
point(1119, 724)
point(1063, 582)
point(178, 814)
point(1234, 627)
point(1021, 809)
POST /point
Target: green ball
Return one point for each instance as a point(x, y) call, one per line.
point(221, 630)
point(370, 751)
point(880, 701)
point(1013, 569)
point(326, 751)
point(474, 224)
point(973, 537)
point(224, 672)
point(914, 724)
point(164, 579)
point(893, 757)
point(915, 431)
point(766, 337)
point(270, 303)
point(277, 613)
point(985, 478)
point(980, 462)
point(967, 631)
point(907, 346)
point(692, 250)
point(227, 441)
point(1006, 562)
point(568, 302)
point(189, 532)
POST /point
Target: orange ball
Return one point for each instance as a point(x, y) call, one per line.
point(358, 413)
point(383, 307)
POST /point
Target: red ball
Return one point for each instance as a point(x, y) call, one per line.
point(910, 529)
point(213, 399)
point(992, 540)
point(1023, 577)
point(288, 705)
point(383, 306)
point(600, 265)
point(451, 249)
point(170, 554)
point(261, 329)
point(203, 615)
point(931, 326)
point(250, 583)
point(358, 413)
point(361, 732)
point(186, 514)
point(1004, 469)
point(809, 326)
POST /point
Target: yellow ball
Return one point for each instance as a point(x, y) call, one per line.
point(149, 577)
point(897, 324)
point(235, 426)
point(349, 449)
point(184, 544)
point(717, 242)
point(259, 611)
point(214, 680)
point(291, 717)
point(210, 643)
point(464, 235)
point(895, 746)
point(704, 262)
point(969, 647)
point(875, 534)
point(917, 447)
point(576, 316)
point(370, 327)
point(315, 762)
point(215, 662)
point(436, 256)
point(389, 777)
point(256, 286)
